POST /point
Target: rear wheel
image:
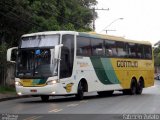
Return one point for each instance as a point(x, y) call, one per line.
point(140, 86)
point(133, 88)
point(44, 98)
point(80, 92)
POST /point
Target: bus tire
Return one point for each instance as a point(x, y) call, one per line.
point(44, 98)
point(133, 87)
point(140, 86)
point(80, 92)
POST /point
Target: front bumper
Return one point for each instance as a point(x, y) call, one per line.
point(56, 89)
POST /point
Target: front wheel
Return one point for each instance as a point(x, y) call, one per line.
point(44, 98)
point(80, 92)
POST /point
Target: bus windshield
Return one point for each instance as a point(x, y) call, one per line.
point(39, 41)
point(36, 63)
point(36, 57)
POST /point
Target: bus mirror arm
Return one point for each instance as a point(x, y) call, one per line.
point(57, 50)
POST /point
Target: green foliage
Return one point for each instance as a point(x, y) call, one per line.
point(3, 49)
point(157, 56)
point(4, 89)
point(25, 16)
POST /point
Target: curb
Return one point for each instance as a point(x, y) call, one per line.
point(12, 98)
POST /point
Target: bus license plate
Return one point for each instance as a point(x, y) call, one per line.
point(34, 90)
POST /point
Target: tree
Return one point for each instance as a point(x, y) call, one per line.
point(15, 20)
point(157, 56)
point(24, 16)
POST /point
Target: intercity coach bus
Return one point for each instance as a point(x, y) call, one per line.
point(71, 63)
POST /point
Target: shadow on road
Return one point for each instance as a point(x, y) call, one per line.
point(64, 99)
point(72, 98)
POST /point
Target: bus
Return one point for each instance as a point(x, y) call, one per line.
point(70, 63)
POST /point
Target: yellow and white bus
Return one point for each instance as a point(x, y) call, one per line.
point(71, 63)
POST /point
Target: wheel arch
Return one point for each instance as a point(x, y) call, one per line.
point(84, 84)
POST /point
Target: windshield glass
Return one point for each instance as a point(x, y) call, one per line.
point(36, 63)
point(39, 41)
point(36, 57)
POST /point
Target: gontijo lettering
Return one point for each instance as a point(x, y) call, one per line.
point(124, 63)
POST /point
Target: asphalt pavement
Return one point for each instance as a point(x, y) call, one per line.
point(115, 106)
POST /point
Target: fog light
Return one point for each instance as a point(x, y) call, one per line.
point(19, 93)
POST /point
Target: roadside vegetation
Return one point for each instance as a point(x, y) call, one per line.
point(18, 17)
point(157, 56)
point(5, 90)
point(25, 16)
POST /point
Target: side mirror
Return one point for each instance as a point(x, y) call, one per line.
point(11, 53)
point(57, 49)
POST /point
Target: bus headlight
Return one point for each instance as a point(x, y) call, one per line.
point(51, 82)
point(17, 83)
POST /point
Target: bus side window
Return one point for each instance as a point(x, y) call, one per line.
point(67, 56)
point(97, 47)
point(147, 52)
point(83, 46)
point(109, 52)
point(132, 50)
point(122, 49)
point(110, 48)
point(139, 51)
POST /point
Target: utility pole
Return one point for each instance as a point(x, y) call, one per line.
point(94, 15)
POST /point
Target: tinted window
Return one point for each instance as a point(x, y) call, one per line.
point(122, 49)
point(40, 41)
point(139, 51)
point(67, 56)
point(83, 46)
point(132, 50)
point(110, 48)
point(147, 52)
point(97, 47)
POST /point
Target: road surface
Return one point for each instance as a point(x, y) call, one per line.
point(147, 103)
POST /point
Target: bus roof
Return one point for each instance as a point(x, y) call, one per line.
point(110, 37)
point(49, 33)
point(88, 34)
